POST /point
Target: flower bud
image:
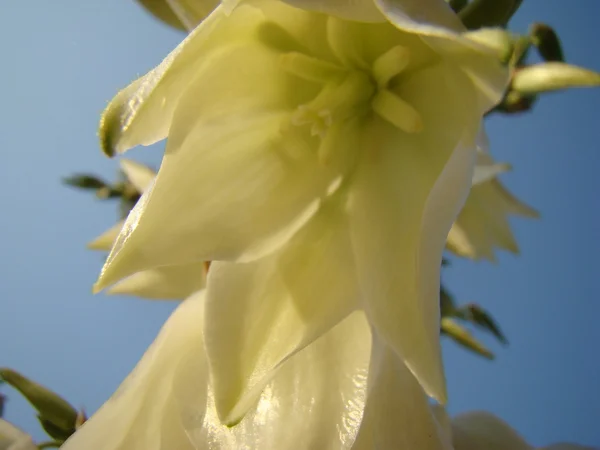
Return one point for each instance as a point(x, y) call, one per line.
point(547, 42)
point(552, 76)
point(488, 13)
point(53, 410)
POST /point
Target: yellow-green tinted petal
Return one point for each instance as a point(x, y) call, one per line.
point(359, 10)
point(168, 283)
point(397, 412)
point(105, 241)
point(406, 194)
point(481, 430)
point(259, 314)
point(139, 175)
point(241, 193)
point(141, 114)
point(245, 179)
point(315, 401)
point(476, 53)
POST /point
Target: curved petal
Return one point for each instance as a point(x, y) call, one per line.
point(259, 314)
point(167, 388)
point(235, 183)
point(359, 10)
point(315, 401)
point(477, 53)
point(169, 282)
point(397, 412)
point(481, 430)
point(139, 175)
point(106, 240)
point(141, 114)
point(13, 438)
point(407, 192)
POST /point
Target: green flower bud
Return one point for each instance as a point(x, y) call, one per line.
point(547, 42)
point(488, 13)
point(52, 409)
point(462, 336)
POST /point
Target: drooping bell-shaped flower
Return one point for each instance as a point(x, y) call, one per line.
point(344, 391)
point(481, 430)
point(13, 438)
point(319, 163)
point(482, 225)
point(170, 282)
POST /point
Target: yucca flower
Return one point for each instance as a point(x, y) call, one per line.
point(13, 438)
point(482, 225)
point(319, 399)
point(319, 164)
point(172, 282)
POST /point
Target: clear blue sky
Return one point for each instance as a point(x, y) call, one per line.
point(62, 61)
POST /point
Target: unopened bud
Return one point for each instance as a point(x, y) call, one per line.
point(51, 408)
point(84, 181)
point(462, 336)
point(552, 76)
point(488, 13)
point(547, 42)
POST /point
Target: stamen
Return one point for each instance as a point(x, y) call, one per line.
point(342, 45)
point(390, 64)
point(336, 101)
point(398, 112)
point(311, 69)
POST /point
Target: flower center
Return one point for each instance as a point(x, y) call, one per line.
point(350, 90)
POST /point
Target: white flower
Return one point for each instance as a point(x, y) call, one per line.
point(172, 282)
point(482, 225)
point(13, 438)
point(479, 430)
point(319, 163)
point(340, 392)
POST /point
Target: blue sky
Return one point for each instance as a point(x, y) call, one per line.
point(61, 64)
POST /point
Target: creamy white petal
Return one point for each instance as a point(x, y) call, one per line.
point(235, 183)
point(13, 438)
point(139, 175)
point(397, 412)
point(141, 114)
point(167, 388)
point(441, 28)
point(315, 401)
point(359, 10)
point(106, 240)
point(169, 282)
point(261, 313)
point(407, 192)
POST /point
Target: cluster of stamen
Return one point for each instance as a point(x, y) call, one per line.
point(351, 91)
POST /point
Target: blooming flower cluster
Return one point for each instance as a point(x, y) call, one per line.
point(317, 156)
